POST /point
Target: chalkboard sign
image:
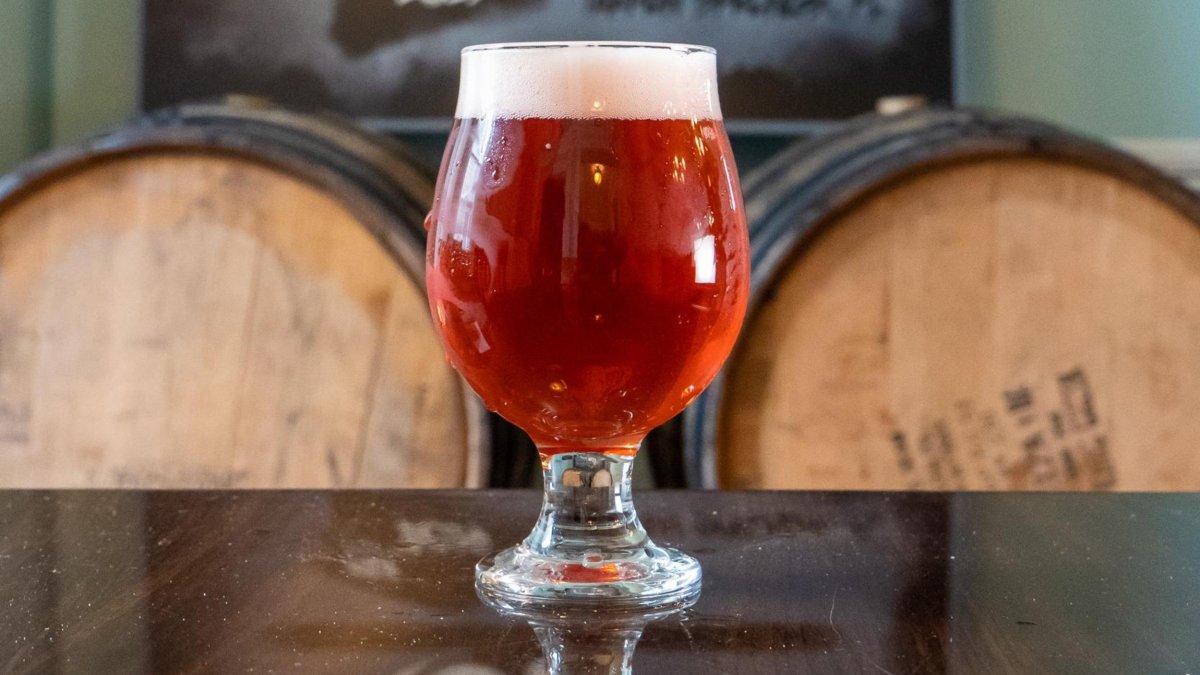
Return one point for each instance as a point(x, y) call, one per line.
point(782, 62)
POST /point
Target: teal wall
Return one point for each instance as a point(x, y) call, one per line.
point(69, 69)
point(1106, 67)
point(24, 98)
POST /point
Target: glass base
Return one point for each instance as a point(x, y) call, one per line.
point(588, 546)
point(517, 578)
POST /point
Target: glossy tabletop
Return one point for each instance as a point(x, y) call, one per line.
point(381, 582)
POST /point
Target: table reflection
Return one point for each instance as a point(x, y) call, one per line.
point(593, 639)
point(381, 582)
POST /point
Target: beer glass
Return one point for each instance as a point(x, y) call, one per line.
point(587, 271)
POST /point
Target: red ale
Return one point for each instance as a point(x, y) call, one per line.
point(588, 276)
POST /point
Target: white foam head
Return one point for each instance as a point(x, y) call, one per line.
point(589, 80)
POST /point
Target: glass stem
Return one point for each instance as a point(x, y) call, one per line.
point(587, 513)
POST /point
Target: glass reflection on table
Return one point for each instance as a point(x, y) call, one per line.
point(337, 582)
point(589, 639)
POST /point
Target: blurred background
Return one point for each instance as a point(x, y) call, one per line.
point(983, 288)
point(1117, 70)
point(1114, 69)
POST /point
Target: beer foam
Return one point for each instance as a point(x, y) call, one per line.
point(568, 81)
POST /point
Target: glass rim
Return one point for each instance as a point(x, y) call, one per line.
point(584, 44)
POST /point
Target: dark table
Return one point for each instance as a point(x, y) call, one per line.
point(381, 582)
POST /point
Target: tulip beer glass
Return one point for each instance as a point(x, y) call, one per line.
point(588, 272)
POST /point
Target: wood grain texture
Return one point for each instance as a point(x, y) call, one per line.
point(199, 318)
point(956, 299)
point(1000, 324)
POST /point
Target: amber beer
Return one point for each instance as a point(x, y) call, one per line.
point(587, 263)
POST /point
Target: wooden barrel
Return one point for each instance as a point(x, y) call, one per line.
point(960, 300)
point(225, 295)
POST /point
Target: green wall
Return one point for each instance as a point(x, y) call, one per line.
point(1117, 68)
point(24, 98)
point(70, 69)
point(1107, 67)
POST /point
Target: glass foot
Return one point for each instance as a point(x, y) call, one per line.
point(588, 546)
point(654, 577)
